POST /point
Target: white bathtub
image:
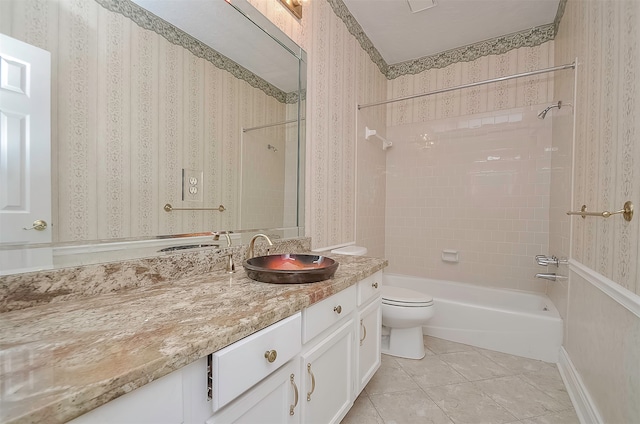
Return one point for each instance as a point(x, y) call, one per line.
point(509, 321)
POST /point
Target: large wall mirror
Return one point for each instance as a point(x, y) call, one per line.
point(198, 104)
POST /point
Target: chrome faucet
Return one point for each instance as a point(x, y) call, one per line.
point(550, 277)
point(249, 254)
point(543, 260)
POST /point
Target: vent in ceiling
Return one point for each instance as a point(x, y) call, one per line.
point(416, 6)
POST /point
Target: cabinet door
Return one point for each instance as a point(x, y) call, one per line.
point(276, 400)
point(328, 375)
point(368, 343)
point(159, 402)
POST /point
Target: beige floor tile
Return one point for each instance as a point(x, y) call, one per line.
point(519, 397)
point(439, 346)
point(465, 403)
point(408, 407)
point(564, 417)
point(430, 371)
point(362, 412)
point(549, 381)
point(502, 389)
point(389, 378)
point(474, 366)
point(515, 364)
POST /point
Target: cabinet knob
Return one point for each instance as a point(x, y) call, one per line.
point(271, 355)
point(337, 309)
point(375, 285)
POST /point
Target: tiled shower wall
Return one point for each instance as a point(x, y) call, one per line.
point(477, 185)
point(470, 170)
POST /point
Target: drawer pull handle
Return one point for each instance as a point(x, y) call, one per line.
point(364, 329)
point(337, 309)
point(375, 285)
point(271, 355)
point(313, 382)
point(295, 394)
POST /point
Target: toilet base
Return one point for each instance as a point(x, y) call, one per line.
point(403, 342)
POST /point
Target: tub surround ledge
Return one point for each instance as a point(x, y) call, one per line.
point(62, 359)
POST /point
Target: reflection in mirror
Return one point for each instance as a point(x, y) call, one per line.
point(147, 112)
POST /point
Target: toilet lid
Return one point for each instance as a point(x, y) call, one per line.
point(404, 297)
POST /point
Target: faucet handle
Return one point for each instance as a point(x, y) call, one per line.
point(217, 234)
point(544, 260)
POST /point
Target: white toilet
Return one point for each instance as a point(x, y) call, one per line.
point(404, 312)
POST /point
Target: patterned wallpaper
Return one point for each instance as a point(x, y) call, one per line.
point(605, 36)
point(601, 335)
point(340, 75)
point(130, 111)
point(484, 98)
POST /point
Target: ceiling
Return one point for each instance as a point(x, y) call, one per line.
point(400, 35)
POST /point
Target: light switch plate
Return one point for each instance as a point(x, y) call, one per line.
point(192, 185)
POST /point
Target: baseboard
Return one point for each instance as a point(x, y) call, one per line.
point(582, 402)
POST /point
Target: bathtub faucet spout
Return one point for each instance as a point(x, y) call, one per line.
point(550, 277)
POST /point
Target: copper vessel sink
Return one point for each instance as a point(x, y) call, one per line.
point(290, 268)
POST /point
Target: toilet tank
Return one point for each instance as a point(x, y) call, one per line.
point(351, 250)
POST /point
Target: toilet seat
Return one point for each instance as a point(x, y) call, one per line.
point(398, 296)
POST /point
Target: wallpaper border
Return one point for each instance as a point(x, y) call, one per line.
point(498, 45)
point(342, 12)
point(147, 20)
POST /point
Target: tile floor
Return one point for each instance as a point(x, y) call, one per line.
point(456, 383)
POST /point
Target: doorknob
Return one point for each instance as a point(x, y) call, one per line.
point(38, 225)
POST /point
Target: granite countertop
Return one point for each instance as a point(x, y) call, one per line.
point(60, 360)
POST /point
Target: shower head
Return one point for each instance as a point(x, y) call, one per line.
point(542, 114)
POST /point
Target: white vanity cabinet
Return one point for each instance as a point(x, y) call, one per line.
point(327, 358)
point(369, 325)
point(275, 400)
point(307, 368)
point(179, 397)
point(240, 366)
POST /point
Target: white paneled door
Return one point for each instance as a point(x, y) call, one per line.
point(25, 152)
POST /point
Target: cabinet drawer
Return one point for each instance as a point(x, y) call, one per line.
point(369, 288)
point(241, 365)
point(322, 315)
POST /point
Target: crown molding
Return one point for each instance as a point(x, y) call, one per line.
point(498, 45)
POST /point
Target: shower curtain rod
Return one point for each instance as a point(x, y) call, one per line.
point(472, 84)
point(290, 121)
